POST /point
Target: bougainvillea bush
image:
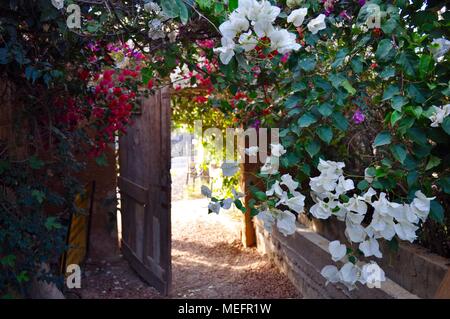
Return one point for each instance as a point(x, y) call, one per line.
point(359, 90)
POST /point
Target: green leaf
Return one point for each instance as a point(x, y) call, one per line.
point(383, 138)
point(232, 4)
point(412, 178)
point(425, 65)
point(170, 8)
point(385, 50)
point(417, 135)
point(101, 160)
point(395, 117)
point(306, 120)
point(408, 62)
point(325, 133)
point(350, 89)
point(312, 147)
point(390, 91)
point(399, 152)
point(446, 125)
point(433, 162)
point(325, 109)
point(38, 195)
point(340, 57)
point(340, 121)
point(22, 277)
point(437, 211)
point(398, 101)
point(387, 73)
point(363, 185)
point(415, 94)
point(307, 64)
point(36, 163)
point(240, 206)
point(52, 223)
point(8, 260)
point(357, 64)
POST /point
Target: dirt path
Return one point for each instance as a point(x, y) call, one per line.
point(208, 262)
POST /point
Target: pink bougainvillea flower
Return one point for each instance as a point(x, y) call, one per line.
point(284, 58)
point(358, 117)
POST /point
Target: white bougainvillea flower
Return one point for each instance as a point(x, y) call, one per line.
point(230, 168)
point(214, 207)
point(383, 206)
point(283, 199)
point(331, 169)
point(357, 205)
point(381, 226)
point(372, 275)
point(287, 180)
point(297, 16)
point(226, 203)
point(296, 203)
point(322, 184)
point(263, 11)
point(439, 47)
point(58, 4)
point(354, 232)
point(283, 41)
point(439, 114)
point(355, 218)
point(286, 223)
point(277, 150)
point(341, 213)
point(320, 210)
point(406, 231)
point(252, 151)
point(205, 191)
point(275, 189)
point(405, 214)
point(367, 196)
point(248, 41)
point(317, 24)
point(337, 250)
point(226, 51)
point(344, 185)
point(421, 205)
point(267, 218)
point(370, 247)
point(331, 273)
point(349, 275)
point(234, 25)
point(263, 28)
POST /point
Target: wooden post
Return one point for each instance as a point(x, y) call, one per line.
point(248, 234)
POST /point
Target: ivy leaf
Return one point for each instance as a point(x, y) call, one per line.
point(340, 57)
point(446, 125)
point(325, 133)
point(383, 138)
point(306, 120)
point(395, 117)
point(357, 64)
point(415, 94)
point(437, 211)
point(170, 8)
point(398, 101)
point(340, 121)
point(363, 185)
point(312, 147)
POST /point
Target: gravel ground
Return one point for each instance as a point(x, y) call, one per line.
point(207, 257)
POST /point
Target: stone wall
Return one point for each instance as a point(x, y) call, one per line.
point(303, 255)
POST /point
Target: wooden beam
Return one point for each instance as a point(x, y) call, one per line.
point(443, 292)
point(248, 233)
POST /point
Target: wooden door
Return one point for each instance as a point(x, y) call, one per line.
point(144, 182)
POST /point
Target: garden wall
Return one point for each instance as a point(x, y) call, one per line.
point(411, 272)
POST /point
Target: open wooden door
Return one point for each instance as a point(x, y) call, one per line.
point(144, 182)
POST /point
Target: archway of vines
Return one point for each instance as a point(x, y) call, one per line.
point(359, 90)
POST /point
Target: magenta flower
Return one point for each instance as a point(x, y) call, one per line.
point(284, 58)
point(362, 2)
point(358, 117)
